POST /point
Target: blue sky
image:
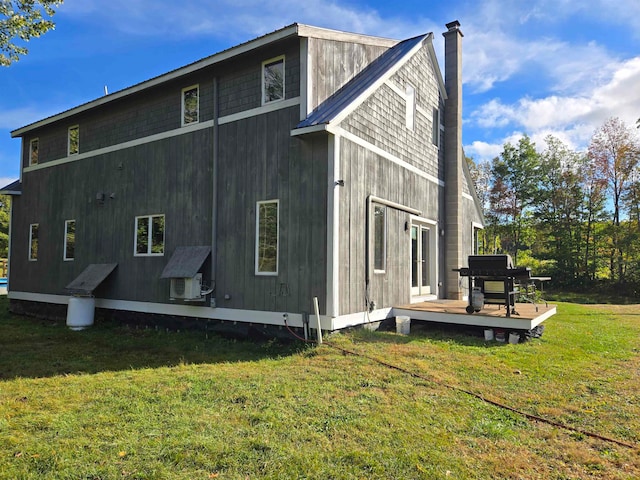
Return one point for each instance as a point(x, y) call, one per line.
point(537, 67)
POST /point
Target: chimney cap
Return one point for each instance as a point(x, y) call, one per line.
point(453, 25)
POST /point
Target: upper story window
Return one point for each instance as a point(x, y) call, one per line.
point(33, 241)
point(273, 80)
point(267, 233)
point(149, 239)
point(74, 140)
point(33, 151)
point(69, 240)
point(379, 238)
point(411, 106)
point(190, 105)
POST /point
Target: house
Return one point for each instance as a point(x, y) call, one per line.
point(307, 163)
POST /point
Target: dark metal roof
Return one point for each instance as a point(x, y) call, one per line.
point(14, 188)
point(90, 278)
point(185, 262)
point(336, 103)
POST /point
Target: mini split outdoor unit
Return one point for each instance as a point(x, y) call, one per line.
point(186, 288)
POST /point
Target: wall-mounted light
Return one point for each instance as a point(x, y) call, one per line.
point(339, 183)
point(100, 198)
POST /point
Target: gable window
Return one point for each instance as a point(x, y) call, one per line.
point(190, 105)
point(273, 80)
point(379, 238)
point(435, 132)
point(33, 151)
point(33, 241)
point(69, 240)
point(74, 140)
point(267, 233)
point(149, 239)
point(411, 106)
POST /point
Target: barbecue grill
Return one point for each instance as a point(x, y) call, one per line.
point(489, 273)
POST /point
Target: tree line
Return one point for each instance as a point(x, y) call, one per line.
point(572, 215)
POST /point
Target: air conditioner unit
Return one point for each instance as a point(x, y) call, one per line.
point(186, 288)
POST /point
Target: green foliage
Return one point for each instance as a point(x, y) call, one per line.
point(5, 210)
point(20, 21)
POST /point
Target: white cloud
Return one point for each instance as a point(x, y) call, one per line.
point(574, 116)
point(4, 181)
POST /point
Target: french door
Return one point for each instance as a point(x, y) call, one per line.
point(421, 261)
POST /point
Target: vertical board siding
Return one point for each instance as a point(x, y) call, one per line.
point(259, 160)
point(170, 177)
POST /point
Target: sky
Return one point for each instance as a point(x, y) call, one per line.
point(534, 67)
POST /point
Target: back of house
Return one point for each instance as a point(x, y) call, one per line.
point(307, 163)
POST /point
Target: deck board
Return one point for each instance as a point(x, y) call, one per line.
point(453, 311)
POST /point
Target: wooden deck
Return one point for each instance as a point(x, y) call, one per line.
point(453, 311)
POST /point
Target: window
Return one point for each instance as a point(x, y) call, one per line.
point(190, 105)
point(379, 238)
point(69, 240)
point(33, 151)
point(273, 80)
point(267, 238)
point(149, 239)
point(74, 140)
point(411, 106)
point(435, 132)
point(33, 242)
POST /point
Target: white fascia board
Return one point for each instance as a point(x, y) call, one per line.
point(376, 85)
point(339, 36)
point(323, 127)
point(167, 77)
point(436, 66)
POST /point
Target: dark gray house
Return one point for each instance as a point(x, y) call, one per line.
point(305, 163)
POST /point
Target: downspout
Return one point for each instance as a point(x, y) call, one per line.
point(214, 191)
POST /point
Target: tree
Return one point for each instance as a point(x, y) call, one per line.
point(4, 225)
point(513, 192)
point(614, 151)
point(20, 21)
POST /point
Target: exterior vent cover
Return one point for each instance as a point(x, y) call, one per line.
point(187, 288)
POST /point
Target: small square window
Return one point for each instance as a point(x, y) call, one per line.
point(69, 240)
point(74, 140)
point(33, 151)
point(267, 232)
point(379, 238)
point(273, 80)
point(190, 105)
point(149, 239)
point(33, 242)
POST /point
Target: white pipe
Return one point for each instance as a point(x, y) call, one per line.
point(317, 310)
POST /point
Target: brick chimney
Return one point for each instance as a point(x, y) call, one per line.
point(453, 158)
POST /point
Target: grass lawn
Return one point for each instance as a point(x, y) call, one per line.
point(113, 402)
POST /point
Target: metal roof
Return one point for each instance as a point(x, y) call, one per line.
point(362, 82)
point(185, 262)
point(14, 188)
point(90, 278)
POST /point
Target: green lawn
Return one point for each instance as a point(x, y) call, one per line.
point(113, 402)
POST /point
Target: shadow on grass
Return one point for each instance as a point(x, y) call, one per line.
point(34, 348)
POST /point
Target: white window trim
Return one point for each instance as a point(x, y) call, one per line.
point(435, 127)
point(384, 240)
point(69, 154)
point(31, 259)
point(257, 247)
point(284, 79)
point(31, 142)
point(149, 236)
point(197, 87)
point(66, 234)
point(410, 99)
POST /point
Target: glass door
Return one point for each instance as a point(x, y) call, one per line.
point(420, 260)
